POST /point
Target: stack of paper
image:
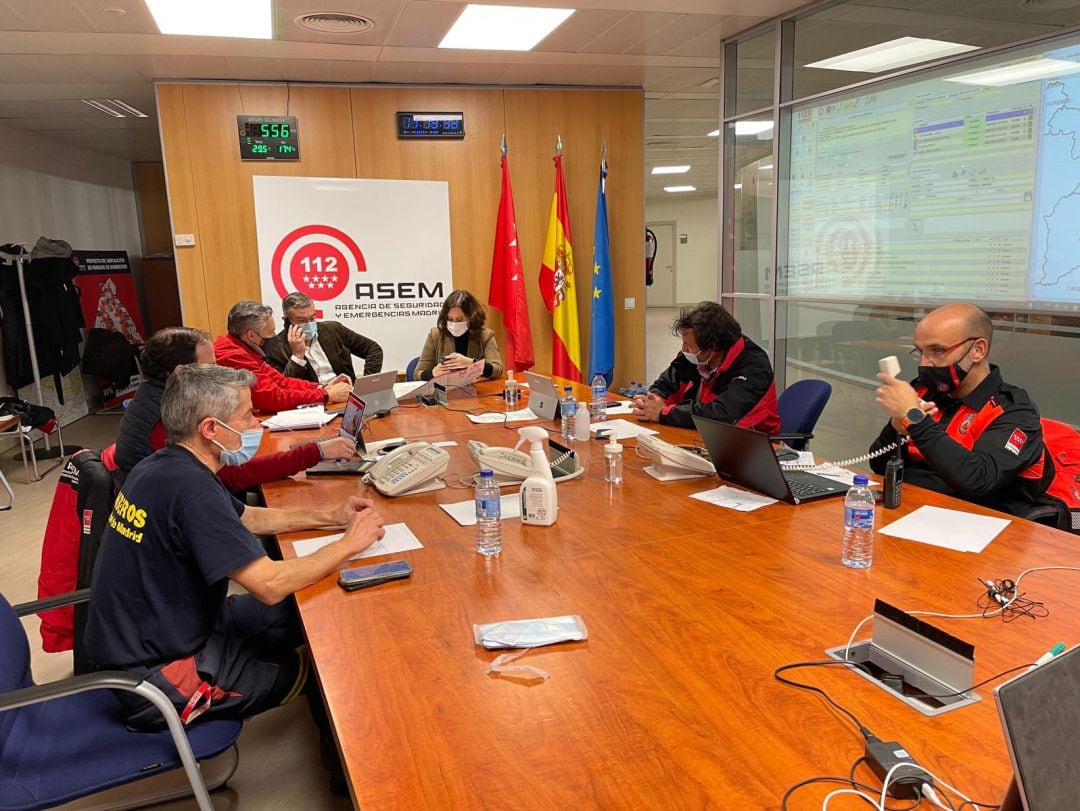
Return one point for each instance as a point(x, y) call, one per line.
point(496, 417)
point(299, 419)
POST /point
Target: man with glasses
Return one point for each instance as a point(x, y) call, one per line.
point(969, 434)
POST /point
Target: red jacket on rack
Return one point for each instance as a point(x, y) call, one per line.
point(272, 391)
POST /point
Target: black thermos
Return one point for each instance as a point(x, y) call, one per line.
point(894, 481)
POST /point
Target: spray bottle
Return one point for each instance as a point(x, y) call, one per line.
point(539, 499)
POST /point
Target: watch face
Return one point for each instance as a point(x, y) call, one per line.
point(915, 415)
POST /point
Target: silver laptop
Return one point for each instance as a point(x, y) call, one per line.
point(377, 391)
point(543, 397)
point(1040, 714)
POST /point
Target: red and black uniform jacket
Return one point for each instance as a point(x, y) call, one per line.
point(741, 392)
point(986, 448)
point(272, 391)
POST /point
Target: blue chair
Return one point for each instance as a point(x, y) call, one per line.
point(67, 739)
point(410, 369)
point(800, 406)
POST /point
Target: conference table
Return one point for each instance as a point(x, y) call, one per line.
point(671, 701)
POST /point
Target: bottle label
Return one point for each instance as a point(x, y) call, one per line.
point(487, 507)
point(858, 518)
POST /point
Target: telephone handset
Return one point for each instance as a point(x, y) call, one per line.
point(670, 462)
point(409, 469)
point(512, 466)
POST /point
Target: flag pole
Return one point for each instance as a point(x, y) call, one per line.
point(504, 145)
point(603, 155)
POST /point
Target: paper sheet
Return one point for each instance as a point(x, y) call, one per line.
point(403, 390)
point(949, 529)
point(497, 417)
point(398, 538)
point(464, 512)
point(734, 499)
point(448, 443)
point(624, 429)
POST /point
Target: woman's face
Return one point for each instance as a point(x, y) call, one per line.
point(456, 316)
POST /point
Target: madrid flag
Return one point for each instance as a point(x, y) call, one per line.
point(507, 291)
point(557, 285)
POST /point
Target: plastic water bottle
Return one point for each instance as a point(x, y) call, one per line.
point(568, 409)
point(488, 515)
point(598, 406)
point(858, 550)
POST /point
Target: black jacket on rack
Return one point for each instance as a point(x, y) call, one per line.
point(54, 309)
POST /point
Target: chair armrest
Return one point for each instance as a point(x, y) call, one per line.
point(49, 603)
point(1048, 514)
point(102, 680)
point(790, 437)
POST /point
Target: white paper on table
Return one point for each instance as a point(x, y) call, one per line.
point(448, 443)
point(839, 474)
point(299, 419)
point(805, 458)
point(624, 429)
point(403, 390)
point(734, 499)
point(623, 407)
point(464, 512)
point(949, 529)
point(398, 538)
point(521, 415)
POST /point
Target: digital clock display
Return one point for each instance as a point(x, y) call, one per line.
point(431, 125)
point(268, 138)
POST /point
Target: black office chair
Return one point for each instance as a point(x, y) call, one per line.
point(800, 406)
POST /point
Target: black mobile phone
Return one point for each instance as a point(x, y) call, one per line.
point(363, 577)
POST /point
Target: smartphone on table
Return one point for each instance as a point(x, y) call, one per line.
point(362, 577)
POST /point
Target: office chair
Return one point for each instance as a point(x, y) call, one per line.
point(68, 739)
point(410, 369)
point(800, 405)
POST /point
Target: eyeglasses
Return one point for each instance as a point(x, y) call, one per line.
point(937, 355)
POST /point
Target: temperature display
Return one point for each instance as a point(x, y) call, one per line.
point(268, 138)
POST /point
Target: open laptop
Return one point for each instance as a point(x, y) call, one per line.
point(1040, 713)
point(747, 458)
point(352, 427)
point(543, 397)
point(377, 390)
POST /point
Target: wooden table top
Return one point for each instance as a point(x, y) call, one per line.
point(670, 703)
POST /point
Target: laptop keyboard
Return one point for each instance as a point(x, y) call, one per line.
point(804, 489)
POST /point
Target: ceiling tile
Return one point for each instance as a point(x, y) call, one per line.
point(629, 31)
point(676, 33)
point(107, 68)
point(580, 29)
point(422, 24)
point(706, 43)
point(381, 12)
point(54, 15)
point(104, 17)
point(39, 69)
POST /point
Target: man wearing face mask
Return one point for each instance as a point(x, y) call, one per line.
point(319, 351)
point(174, 541)
point(250, 326)
point(720, 374)
point(971, 434)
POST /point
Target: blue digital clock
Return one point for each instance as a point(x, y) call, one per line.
point(430, 125)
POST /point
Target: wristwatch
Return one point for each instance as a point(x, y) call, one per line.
point(913, 417)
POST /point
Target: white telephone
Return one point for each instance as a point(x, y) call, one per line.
point(511, 466)
point(670, 462)
point(409, 469)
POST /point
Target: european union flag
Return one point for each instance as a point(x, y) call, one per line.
point(602, 321)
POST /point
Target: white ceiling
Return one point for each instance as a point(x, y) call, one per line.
point(55, 52)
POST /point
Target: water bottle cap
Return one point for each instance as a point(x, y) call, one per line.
point(568, 388)
point(486, 474)
point(861, 480)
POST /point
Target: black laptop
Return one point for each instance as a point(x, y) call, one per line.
point(352, 427)
point(747, 458)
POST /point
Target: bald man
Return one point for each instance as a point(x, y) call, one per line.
point(971, 435)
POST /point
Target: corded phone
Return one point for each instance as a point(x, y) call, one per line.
point(409, 469)
point(670, 462)
point(511, 466)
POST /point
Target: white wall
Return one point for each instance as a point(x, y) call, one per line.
point(696, 262)
point(51, 189)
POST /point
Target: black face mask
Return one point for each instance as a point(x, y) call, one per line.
point(944, 379)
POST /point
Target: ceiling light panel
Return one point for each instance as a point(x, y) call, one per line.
point(1030, 71)
point(245, 19)
point(677, 189)
point(896, 53)
point(670, 170)
point(503, 28)
point(104, 108)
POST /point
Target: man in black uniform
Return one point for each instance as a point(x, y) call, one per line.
point(174, 540)
point(972, 435)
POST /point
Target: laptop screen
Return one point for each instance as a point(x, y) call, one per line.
point(352, 421)
point(1040, 713)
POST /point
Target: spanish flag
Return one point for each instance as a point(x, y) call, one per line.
point(557, 285)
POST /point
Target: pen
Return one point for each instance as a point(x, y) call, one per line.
point(1046, 657)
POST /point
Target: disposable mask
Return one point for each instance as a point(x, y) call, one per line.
point(530, 633)
point(691, 356)
point(457, 328)
point(944, 379)
point(310, 330)
point(249, 445)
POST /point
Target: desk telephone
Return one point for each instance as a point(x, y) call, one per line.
point(512, 466)
point(409, 469)
point(670, 462)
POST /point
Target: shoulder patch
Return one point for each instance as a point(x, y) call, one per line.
point(1016, 442)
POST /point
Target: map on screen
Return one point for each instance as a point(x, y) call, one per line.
point(943, 188)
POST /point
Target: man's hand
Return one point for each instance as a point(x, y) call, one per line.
point(338, 392)
point(364, 529)
point(456, 361)
point(343, 515)
point(297, 344)
point(342, 378)
point(337, 448)
point(648, 408)
point(896, 397)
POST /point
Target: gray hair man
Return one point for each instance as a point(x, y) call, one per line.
point(175, 539)
point(318, 351)
point(251, 332)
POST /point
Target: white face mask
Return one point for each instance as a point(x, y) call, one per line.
point(457, 328)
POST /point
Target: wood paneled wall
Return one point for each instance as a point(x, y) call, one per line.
point(351, 132)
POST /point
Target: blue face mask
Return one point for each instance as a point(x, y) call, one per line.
point(249, 445)
point(310, 329)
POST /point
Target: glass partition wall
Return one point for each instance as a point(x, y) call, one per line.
point(879, 161)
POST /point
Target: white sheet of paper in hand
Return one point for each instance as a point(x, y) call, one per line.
point(464, 512)
point(495, 417)
point(398, 538)
point(624, 429)
point(734, 499)
point(949, 529)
